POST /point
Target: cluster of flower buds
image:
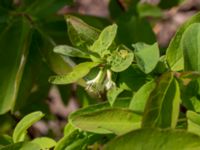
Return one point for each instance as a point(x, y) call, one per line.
point(101, 83)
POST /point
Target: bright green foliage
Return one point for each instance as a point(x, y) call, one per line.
point(108, 120)
point(113, 93)
point(162, 108)
point(147, 56)
point(104, 41)
point(103, 52)
point(30, 146)
point(70, 51)
point(81, 34)
point(154, 139)
point(120, 60)
point(44, 142)
point(131, 94)
point(75, 140)
point(191, 50)
point(21, 128)
point(174, 51)
point(77, 73)
point(140, 98)
point(66, 140)
point(193, 122)
point(148, 10)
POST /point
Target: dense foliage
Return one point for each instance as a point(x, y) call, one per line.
point(134, 96)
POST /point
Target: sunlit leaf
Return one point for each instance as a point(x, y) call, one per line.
point(190, 45)
point(193, 122)
point(154, 139)
point(112, 94)
point(75, 140)
point(20, 130)
point(70, 51)
point(77, 73)
point(174, 52)
point(162, 108)
point(81, 34)
point(104, 41)
point(120, 60)
point(110, 120)
point(147, 56)
point(140, 98)
point(148, 10)
point(44, 142)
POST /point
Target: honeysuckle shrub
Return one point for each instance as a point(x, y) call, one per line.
point(151, 113)
point(133, 96)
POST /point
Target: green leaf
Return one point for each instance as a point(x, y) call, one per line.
point(78, 72)
point(74, 141)
point(196, 103)
point(81, 34)
point(12, 61)
point(162, 108)
point(111, 120)
point(140, 98)
point(30, 146)
point(44, 142)
point(174, 52)
point(148, 10)
point(70, 51)
point(190, 45)
point(147, 56)
point(193, 122)
point(104, 41)
point(112, 94)
point(119, 103)
point(120, 60)
point(191, 50)
point(155, 139)
point(21, 128)
point(69, 128)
